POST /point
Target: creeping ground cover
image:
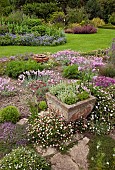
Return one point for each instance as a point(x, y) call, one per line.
point(26, 122)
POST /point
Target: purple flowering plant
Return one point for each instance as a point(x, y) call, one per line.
point(90, 62)
point(103, 81)
point(11, 136)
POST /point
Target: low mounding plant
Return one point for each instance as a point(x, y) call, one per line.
point(9, 114)
point(14, 68)
point(69, 93)
point(49, 130)
point(87, 29)
point(97, 22)
point(23, 158)
point(101, 153)
point(71, 72)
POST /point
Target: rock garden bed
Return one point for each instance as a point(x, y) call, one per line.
point(40, 127)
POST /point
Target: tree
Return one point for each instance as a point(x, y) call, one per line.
point(107, 8)
point(93, 9)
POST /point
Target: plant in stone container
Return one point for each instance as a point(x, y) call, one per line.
point(70, 93)
point(72, 100)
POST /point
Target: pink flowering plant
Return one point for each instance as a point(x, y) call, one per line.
point(89, 62)
point(5, 88)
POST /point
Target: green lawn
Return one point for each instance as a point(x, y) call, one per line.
point(77, 42)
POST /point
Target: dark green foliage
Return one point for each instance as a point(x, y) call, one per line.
point(32, 22)
point(15, 68)
point(24, 158)
point(5, 40)
point(101, 153)
point(93, 8)
point(112, 18)
point(41, 10)
point(76, 15)
point(71, 72)
point(9, 114)
point(107, 8)
point(8, 9)
point(41, 29)
point(3, 29)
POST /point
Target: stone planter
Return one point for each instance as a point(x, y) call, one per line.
point(70, 112)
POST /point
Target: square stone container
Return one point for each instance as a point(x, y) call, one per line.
point(70, 112)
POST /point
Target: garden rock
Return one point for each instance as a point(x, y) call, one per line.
point(79, 153)
point(63, 162)
point(22, 121)
point(46, 152)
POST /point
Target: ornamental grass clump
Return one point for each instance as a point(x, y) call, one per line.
point(70, 93)
point(108, 70)
point(49, 130)
point(24, 159)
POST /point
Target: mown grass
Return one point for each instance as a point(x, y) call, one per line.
point(77, 42)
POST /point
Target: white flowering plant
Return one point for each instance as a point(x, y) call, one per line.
point(24, 159)
point(101, 119)
point(50, 130)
